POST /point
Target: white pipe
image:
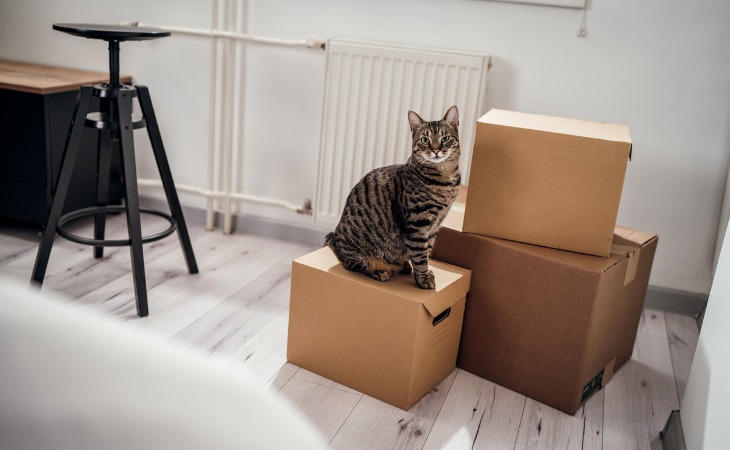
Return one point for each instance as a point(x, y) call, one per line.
point(229, 87)
point(312, 42)
point(236, 95)
point(213, 105)
point(231, 70)
point(222, 194)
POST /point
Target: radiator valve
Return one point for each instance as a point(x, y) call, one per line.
point(306, 207)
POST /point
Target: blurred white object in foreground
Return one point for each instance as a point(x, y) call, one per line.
point(70, 379)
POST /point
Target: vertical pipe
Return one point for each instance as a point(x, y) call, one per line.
point(212, 114)
point(228, 165)
point(243, 49)
point(237, 148)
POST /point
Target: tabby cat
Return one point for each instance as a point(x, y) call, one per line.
point(391, 216)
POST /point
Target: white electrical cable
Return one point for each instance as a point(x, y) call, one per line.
point(312, 42)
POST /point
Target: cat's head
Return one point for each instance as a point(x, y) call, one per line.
point(437, 141)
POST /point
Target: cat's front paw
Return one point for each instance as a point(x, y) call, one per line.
point(425, 280)
point(381, 275)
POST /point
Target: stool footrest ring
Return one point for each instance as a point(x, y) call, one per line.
point(68, 217)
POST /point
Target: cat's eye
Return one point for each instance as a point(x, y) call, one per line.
point(425, 141)
point(445, 139)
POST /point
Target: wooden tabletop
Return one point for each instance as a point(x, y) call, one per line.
point(42, 79)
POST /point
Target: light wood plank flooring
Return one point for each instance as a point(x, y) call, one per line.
point(237, 308)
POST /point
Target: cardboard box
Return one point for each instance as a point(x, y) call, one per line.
point(547, 181)
point(550, 324)
point(390, 340)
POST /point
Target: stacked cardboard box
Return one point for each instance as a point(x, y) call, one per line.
point(541, 318)
point(548, 181)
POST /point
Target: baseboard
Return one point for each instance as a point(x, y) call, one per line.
point(672, 436)
point(675, 301)
point(663, 299)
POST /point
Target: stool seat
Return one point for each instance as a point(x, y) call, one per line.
point(117, 33)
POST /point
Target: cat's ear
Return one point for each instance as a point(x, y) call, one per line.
point(452, 117)
point(415, 121)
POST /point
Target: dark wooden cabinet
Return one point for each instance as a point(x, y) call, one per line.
point(36, 105)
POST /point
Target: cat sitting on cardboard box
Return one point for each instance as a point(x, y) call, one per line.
point(392, 214)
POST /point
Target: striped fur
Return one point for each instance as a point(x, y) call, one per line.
point(392, 214)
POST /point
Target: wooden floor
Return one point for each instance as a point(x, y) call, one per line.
point(237, 308)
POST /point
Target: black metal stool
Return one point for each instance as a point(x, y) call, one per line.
point(115, 124)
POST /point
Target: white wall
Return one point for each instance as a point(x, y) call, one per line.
point(704, 411)
point(659, 66)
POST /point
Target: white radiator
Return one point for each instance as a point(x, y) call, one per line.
point(369, 89)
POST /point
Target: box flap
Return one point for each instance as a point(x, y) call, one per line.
point(559, 125)
point(628, 243)
point(635, 236)
point(452, 282)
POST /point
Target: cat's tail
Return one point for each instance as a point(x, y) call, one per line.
point(329, 241)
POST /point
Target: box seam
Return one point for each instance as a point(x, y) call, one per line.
point(584, 351)
point(412, 378)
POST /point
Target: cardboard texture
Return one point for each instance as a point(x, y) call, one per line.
point(552, 325)
point(547, 181)
point(390, 340)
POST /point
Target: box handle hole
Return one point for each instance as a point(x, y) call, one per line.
point(442, 316)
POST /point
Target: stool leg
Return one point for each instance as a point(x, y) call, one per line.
point(145, 103)
point(104, 156)
point(70, 152)
point(134, 224)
